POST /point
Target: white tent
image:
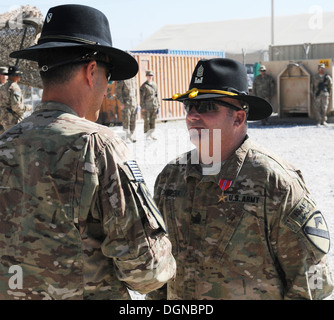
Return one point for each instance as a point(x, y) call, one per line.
point(248, 38)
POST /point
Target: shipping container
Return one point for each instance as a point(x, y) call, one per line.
point(172, 73)
point(220, 54)
point(301, 51)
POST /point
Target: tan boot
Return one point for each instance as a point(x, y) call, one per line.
point(152, 136)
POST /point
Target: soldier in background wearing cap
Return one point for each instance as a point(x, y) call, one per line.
point(150, 105)
point(241, 220)
point(264, 87)
point(321, 88)
point(76, 218)
point(11, 99)
point(3, 75)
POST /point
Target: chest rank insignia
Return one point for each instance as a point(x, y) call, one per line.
point(223, 185)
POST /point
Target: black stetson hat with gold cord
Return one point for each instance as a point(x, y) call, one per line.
point(68, 26)
point(218, 78)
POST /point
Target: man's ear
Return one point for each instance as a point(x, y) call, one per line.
point(91, 72)
point(240, 118)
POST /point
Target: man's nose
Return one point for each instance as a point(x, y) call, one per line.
point(193, 114)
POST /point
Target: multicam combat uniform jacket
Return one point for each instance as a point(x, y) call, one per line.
point(262, 238)
point(11, 104)
point(264, 86)
point(150, 104)
point(321, 87)
point(149, 96)
point(72, 220)
point(126, 93)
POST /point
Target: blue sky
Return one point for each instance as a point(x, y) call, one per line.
point(132, 21)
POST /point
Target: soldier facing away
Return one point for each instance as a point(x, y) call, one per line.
point(241, 220)
point(76, 218)
point(321, 88)
point(126, 93)
point(11, 99)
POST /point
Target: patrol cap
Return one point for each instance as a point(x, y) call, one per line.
point(263, 68)
point(75, 25)
point(218, 78)
point(14, 71)
point(3, 70)
point(149, 73)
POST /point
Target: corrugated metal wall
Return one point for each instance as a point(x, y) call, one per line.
point(302, 51)
point(172, 73)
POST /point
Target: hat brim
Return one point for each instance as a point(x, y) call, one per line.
point(259, 108)
point(124, 65)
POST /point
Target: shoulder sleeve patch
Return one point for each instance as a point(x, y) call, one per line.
point(304, 216)
point(300, 213)
point(316, 231)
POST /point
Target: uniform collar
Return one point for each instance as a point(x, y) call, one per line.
point(229, 170)
point(54, 106)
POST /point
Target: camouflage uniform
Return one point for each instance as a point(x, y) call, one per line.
point(321, 88)
point(150, 102)
point(126, 93)
point(264, 87)
point(12, 107)
point(255, 240)
point(71, 214)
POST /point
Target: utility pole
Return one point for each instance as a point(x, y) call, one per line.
point(272, 22)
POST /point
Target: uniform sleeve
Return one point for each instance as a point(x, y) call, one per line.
point(254, 86)
point(300, 241)
point(135, 239)
point(142, 96)
point(313, 86)
point(16, 101)
point(157, 98)
point(330, 84)
point(272, 87)
point(160, 294)
point(118, 91)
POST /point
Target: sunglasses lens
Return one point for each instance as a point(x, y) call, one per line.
point(201, 106)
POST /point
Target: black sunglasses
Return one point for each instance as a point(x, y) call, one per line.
point(108, 67)
point(204, 106)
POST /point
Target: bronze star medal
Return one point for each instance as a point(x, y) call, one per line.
point(224, 185)
point(221, 198)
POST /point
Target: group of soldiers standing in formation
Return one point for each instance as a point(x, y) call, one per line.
point(321, 85)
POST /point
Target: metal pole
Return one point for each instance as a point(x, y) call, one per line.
point(272, 22)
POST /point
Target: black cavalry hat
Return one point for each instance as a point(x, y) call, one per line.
point(13, 71)
point(217, 78)
point(77, 25)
